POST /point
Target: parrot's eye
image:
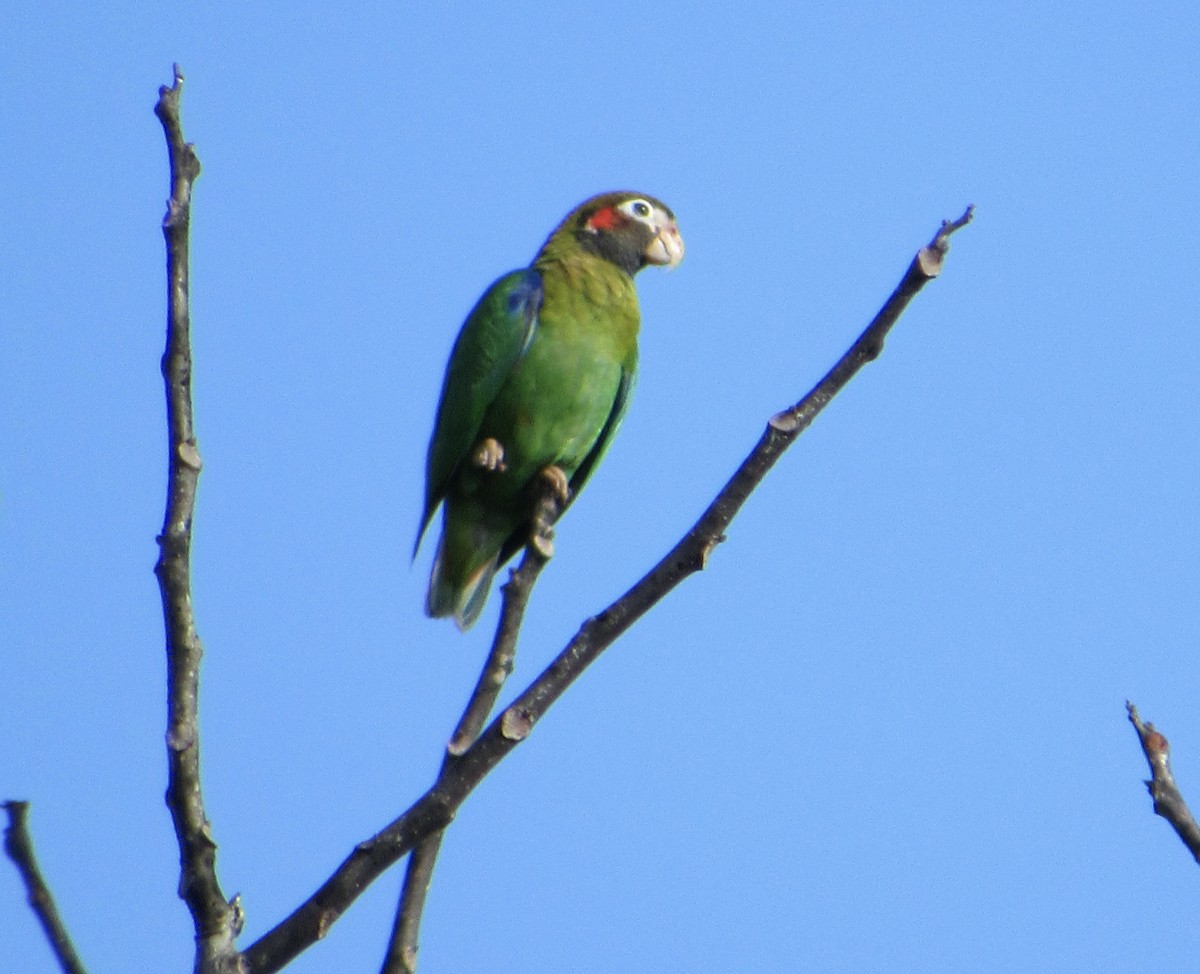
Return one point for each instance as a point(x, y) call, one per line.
point(639, 209)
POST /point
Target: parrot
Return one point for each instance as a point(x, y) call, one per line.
point(538, 381)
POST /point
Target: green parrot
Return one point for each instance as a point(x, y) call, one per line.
point(537, 384)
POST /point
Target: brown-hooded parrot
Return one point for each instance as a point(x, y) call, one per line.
point(537, 384)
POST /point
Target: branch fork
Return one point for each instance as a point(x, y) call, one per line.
point(476, 747)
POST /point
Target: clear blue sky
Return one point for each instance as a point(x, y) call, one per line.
point(883, 731)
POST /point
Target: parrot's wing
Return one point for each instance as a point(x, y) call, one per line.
point(492, 341)
point(615, 415)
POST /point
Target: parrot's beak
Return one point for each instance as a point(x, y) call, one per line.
point(666, 249)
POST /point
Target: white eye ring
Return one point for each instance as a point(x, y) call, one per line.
point(638, 209)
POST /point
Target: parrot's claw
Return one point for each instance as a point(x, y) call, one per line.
point(556, 481)
point(489, 455)
point(555, 487)
point(542, 541)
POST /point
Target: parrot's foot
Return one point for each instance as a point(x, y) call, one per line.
point(552, 487)
point(554, 480)
point(489, 455)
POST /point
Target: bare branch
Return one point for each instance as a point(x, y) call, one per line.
point(401, 957)
point(437, 807)
point(216, 921)
point(404, 943)
point(516, 592)
point(1168, 800)
point(19, 847)
point(309, 923)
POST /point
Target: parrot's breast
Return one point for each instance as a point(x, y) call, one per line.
point(558, 399)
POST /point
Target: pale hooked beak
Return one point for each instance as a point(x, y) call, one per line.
point(666, 249)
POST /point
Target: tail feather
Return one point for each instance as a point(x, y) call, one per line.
point(465, 599)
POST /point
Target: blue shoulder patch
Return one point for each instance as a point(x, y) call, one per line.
point(525, 296)
point(525, 300)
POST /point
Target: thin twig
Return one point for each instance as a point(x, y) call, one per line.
point(516, 591)
point(404, 943)
point(434, 810)
point(19, 847)
point(215, 919)
point(403, 946)
point(1168, 800)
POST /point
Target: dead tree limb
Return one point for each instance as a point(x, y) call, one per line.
point(1168, 799)
point(216, 921)
point(19, 847)
point(401, 956)
point(434, 810)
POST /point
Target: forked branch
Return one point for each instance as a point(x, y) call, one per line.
point(401, 956)
point(437, 807)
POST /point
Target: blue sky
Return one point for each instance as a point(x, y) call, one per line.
point(883, 731)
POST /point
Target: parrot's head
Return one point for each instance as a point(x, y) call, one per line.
point(628, 229)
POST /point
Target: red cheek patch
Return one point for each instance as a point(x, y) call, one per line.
point(605, 219)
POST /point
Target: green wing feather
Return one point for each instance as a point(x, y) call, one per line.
point(620, 403)
point(492, 341)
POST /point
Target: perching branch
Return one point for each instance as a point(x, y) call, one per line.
point(437, 807)
point(1168, 800)
point(19, 847)
point(401, 957)
point(216, 921)
point(516, 592)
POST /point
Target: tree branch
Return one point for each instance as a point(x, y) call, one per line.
point(404, 943)
point(516, 592)
point(436, 808)
point(19, 847)
point(1168, 800)
point(216, 921)
point(401, 956)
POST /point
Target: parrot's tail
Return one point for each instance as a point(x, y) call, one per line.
point(463, 599)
